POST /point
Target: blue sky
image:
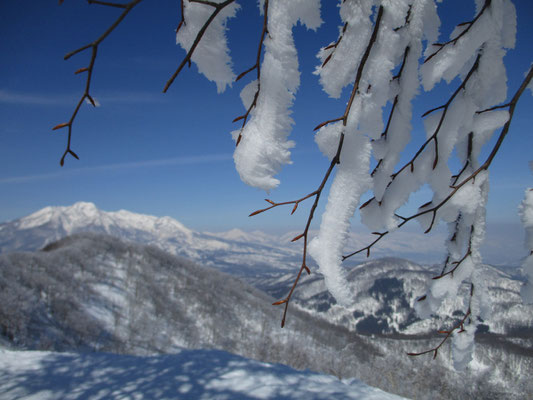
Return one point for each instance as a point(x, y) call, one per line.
point(171, 154)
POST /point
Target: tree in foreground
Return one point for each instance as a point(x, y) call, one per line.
point(385, 51)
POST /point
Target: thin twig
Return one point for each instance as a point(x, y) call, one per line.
point(334, 45)
point(107, 3)
point(86, 95)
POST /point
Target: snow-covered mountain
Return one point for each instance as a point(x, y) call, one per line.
point(385, 292)
point(234, 250)
point(93, 292)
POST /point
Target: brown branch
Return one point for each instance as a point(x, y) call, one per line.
point(86, 95)
point(493, 108)
point(257, 67)
point(217, 8)
point(107, 3)
point(459, 327)
point(182, 18)
point(305, 234)
point(367, 248)
point(459, 36)
point(334, 45)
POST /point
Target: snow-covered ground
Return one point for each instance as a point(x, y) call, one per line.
point(190, 374)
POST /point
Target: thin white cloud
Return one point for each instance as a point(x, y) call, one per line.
point(9, 97)
point(39, 99)
point(203, 159)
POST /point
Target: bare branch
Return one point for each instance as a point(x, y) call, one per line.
point(94, 50)
point(107, 3)
point(334, 45)
point(367, 248)
point(316, 193)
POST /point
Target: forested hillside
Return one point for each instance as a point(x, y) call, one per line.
point(92, 292)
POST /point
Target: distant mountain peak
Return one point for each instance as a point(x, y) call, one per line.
point(227, 250)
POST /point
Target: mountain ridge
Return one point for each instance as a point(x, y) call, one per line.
point(49, 224)
point(239, 249)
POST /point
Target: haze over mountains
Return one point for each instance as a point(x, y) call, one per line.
point(255, 248)
point(233, 248)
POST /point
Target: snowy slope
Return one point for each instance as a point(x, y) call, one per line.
point(194, 375)
point(92, 292)
point(95, 292)
point(384, 294)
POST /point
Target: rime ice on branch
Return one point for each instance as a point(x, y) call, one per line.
point(210, 52)
point(263, 147)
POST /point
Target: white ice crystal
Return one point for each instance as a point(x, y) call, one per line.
point(211, 54)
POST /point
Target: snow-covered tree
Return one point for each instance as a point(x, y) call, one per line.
point(386, 51)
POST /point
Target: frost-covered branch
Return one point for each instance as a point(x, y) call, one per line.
point(191, 47)
point(458, 328)
point(336, 159)
point(89, 70)
point(465, 25)
point(305, 234)
point(454, 185)
point(434, 137)
point(257, 67)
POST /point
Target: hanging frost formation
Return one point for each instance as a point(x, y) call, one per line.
point(212, 54)
point(377, 58)
point(264, 147)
